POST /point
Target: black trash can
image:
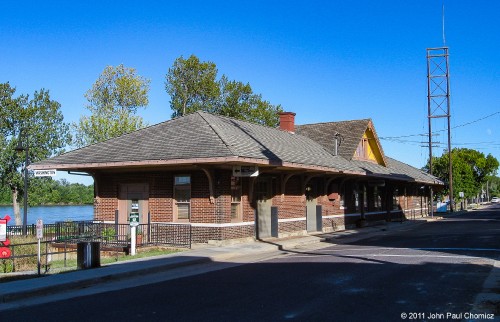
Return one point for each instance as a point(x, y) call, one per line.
point(88, 254)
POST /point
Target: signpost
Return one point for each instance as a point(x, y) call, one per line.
point(134, 222)
point(39, 236)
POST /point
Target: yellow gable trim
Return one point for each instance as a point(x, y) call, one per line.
point(373, 152)
point(369, 148)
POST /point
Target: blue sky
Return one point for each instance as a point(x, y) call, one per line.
point(324, 60)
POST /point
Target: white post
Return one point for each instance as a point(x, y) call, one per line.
point(39, 236)
point(132, 240)
point(39, 260)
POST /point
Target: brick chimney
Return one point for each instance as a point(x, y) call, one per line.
point(287, 121)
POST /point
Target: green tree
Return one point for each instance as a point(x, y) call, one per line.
point(113, 101)
point(494, 186)
point(46, 191)
point(471, 169)
point(5, 196)
point(38, 123)
point(193, 85)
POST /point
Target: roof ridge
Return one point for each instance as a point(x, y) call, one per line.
point(228, 146)
point(250, 123)
point(344, 121)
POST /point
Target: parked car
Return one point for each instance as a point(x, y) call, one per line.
point(495, 199)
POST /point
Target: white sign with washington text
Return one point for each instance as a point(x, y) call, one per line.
point(45, 173)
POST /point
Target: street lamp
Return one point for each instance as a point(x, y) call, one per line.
point(21, 148)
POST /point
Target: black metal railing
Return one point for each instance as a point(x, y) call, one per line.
point(158, 234)
point(24, 256)
point(60, 239)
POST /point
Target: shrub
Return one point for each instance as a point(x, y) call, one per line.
point(25, 246)
point(109, 233)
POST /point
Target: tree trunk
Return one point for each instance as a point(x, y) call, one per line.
point(15, 205)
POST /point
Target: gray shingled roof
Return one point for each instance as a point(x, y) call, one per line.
point(251, 140)
point(352, 133)
point(203, 135)
point(396, 170)
point(324, 133)
point(181, 138)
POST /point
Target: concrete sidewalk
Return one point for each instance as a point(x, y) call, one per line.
point(57, 283)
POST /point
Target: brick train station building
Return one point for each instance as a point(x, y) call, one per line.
point(230, 179)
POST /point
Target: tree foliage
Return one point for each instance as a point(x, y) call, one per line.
point(113, 101)
point(36, 123)
point(493, 186)
point(471, 169)
point(46, 191)
point(193, 85)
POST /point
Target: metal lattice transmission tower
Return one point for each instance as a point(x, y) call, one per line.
point(438, 102)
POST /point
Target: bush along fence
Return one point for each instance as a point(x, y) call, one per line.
point(60, 240)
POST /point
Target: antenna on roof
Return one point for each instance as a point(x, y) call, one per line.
point(444, 36)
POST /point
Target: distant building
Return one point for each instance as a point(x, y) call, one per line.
point(231, 179)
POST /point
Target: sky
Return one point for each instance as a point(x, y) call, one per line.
point(324, 60)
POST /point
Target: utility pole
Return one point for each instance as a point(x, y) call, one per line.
point(438, 105)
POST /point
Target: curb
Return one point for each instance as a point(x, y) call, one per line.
point(111, 276)
point(110, 273)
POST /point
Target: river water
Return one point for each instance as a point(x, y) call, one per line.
point(51, 214)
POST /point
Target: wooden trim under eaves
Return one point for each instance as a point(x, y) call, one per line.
point(198, 161)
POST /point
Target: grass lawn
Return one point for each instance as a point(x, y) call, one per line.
point(58, 266)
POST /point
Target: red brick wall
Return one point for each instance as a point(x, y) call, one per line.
point(106, 201)
point(291, 227)
point(202, 210)
point(333, 224)
point(235, 232)
point(205, 234)
point(160, 197)
point(293, 204)
point(222, 211)
point(246, 204)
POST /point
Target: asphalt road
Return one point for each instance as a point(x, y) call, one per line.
point(426, 272)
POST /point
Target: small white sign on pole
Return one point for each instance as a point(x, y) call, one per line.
point(39, 229)
point(45, 173)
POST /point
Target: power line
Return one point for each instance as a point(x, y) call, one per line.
point(425, 134)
